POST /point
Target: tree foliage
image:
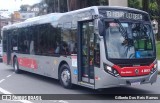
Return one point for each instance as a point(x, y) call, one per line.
point(69, 5)
point(151, 6)
point(158, 17)
point(23, 8)
point(145, 5)
point(153, 9)
point(134, 4)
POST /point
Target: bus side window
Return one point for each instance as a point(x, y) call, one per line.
point(31, 40)
point(23, 42)
point(57, 49)
point(69, 36)
point(14, 42)
point(31, 47)
point(65, 49)
point(56, 37)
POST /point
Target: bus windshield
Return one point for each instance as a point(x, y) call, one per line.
point(128, 40)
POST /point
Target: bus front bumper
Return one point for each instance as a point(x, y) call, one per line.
point(106, 80)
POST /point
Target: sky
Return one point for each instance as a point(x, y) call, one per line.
point(14, 5)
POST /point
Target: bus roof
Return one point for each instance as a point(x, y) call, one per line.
point(95, 8)
point(120, 8)
point(54, 17)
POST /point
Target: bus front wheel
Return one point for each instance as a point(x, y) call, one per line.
point(16, 65)
point(65, 76)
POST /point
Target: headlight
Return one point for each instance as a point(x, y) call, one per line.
point(155, 65)
point(154, 68)
point(111, 70)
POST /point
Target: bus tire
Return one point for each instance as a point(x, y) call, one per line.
point(65, 76)
point(16, 65)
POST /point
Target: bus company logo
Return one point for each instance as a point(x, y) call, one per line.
point(6, 97)
point(136, 71)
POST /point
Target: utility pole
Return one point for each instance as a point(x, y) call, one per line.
point(58, 7)
point(68, 5)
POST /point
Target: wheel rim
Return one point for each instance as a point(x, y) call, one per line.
point(65, 76)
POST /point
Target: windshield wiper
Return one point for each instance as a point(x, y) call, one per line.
point(127, 40)
point(124, 32)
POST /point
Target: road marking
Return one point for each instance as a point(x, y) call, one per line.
point(4, 91)
point(9, 76)
point(2, 80)
point(7, 92)
point(60, 101)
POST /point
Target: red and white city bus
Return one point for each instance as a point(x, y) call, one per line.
point(96, 47)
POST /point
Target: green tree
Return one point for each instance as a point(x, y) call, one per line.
point(23, 8)
point(69, 5)
point(145, 5)
point(50, 4)
point(87, 3)
point(154, 11)
point(56, 5)
point(158, 19)
point(150, 6)
point(139, 4)
point(134, 4)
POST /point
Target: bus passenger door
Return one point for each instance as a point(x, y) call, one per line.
point(86, 51)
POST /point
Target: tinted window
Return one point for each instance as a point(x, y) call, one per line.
point(69, 40)
point(48, 40)
point(4, 41)
point(14, 42)
point(23, 42)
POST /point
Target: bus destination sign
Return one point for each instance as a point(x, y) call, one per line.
point(124, 15)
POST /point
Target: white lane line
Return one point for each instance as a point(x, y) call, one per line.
point(2, 80)
point(7, 92)
point(4, 91)
point(9, 76)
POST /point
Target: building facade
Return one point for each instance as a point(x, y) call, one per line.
point(118, 3)
point(26, 15)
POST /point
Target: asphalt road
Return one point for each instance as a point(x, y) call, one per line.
point(28, 83)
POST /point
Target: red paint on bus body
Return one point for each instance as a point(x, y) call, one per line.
point(28, 63)
point(134, 71)
point(4, 58)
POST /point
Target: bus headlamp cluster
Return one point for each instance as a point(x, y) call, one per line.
point(111, 70)
point(154, 68)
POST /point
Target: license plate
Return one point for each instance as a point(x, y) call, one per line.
point(135, 83)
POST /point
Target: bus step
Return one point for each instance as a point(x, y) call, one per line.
point(86, 84)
